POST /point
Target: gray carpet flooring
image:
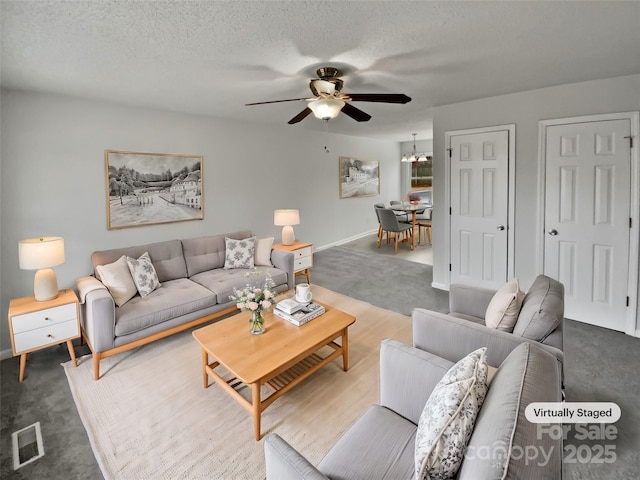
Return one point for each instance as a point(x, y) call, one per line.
point(601, 365)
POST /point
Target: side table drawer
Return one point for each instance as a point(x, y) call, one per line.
point(39, 337)
point(302, 252)
point(302, 263)
point(43, 318)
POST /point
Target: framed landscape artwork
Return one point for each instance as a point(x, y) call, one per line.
point(359, 178)
point(152, 188)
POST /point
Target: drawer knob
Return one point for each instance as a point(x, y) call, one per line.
point(49, 336)
point(46, 318)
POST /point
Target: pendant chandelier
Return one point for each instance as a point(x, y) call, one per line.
point(413, 156)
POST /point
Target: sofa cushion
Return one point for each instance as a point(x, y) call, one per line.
point(449, 416)
point(263, 252)
point(379, 445)
point(167, 258)
point(143, 274)
point(502, 432)
point(173, 299)
point(206, 253)
point(503, 309)
point(117, 278)
point(239, 253)
point(542, 309)
point(222, 282)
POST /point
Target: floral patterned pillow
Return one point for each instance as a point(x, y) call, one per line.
point(239, 253)
point(144, 274)
point(448, 418)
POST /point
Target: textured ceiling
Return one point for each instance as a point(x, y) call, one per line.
point(212, 57)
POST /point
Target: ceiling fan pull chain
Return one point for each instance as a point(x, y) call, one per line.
point(326, 148)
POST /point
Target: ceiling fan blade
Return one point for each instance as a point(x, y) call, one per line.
point(301, 116)
point(280, 101)
point(355, 113)
point(379, 97)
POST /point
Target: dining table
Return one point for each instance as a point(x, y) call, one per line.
point(412, 208)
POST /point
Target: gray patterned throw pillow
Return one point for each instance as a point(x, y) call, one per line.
point(239, 253)
point(144, 274)
point(448, 418)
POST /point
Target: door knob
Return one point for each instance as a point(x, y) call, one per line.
point(553, 232)
point(501, 227)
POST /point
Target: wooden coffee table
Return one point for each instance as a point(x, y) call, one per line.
point(280, 358)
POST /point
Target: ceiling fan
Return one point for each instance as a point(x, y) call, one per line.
point(328, 101)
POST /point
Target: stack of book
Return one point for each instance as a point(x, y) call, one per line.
point(298, 314)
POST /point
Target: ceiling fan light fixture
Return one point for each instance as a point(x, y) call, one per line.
point(326, 108)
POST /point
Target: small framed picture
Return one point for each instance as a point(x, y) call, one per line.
point(359, 178)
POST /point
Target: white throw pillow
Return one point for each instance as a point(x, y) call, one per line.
point(504, 308)
point(117, 278)
point(448, 418)
point(144, 274)
point(239, 253)
point(263, 251)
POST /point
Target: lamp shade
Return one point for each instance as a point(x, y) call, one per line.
point(43, 252)
point(326, 108)
point(285, 217)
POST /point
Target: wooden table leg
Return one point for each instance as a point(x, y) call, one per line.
point(205, 362)
point(72, 353)
point(413, 230)
point(23, 365)
point(255, 399)
point(345, 349)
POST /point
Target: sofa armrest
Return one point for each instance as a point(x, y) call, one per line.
point(453, 338)
point(407, 377)
point(284, 260)
point(469, 300)
point(97, 314)
point(282, 461)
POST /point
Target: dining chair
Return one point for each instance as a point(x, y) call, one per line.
point(377, 206)
point(402, 216)
point(423, 220)
point(390, 224)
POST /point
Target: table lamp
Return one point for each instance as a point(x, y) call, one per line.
point(285, 218)
point(41, 254)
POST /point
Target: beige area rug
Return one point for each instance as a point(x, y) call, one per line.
point(149, 416)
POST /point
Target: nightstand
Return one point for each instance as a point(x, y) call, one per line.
point(303, 257)
point(36, 325)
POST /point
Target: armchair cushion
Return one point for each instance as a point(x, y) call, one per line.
point(542, 309)
point(502, 312)
point(449, 416)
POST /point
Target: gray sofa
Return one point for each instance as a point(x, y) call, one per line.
point(195, 289)
point(463, 330)
point(380, 444)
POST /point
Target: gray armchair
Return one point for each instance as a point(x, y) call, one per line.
point(380, 445)
point(540, 322)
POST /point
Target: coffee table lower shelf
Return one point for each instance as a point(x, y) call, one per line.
point(280, 382)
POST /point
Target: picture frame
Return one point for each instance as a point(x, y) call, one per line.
point(152, 188)
point(358, 178)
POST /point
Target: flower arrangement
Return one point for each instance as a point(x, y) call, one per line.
point(255, 297)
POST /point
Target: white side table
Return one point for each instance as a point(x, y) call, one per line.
point(36, 325)
point(303, 257)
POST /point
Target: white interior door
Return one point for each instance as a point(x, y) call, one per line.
point(587, 218)
point(479, 220)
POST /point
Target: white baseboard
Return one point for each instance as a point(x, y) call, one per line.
point(341, 242)
point(4, 354)
point(440, 286)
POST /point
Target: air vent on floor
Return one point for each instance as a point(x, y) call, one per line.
point(27, 445)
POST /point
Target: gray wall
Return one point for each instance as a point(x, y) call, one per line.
point(525, 109)
point(53, 180)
